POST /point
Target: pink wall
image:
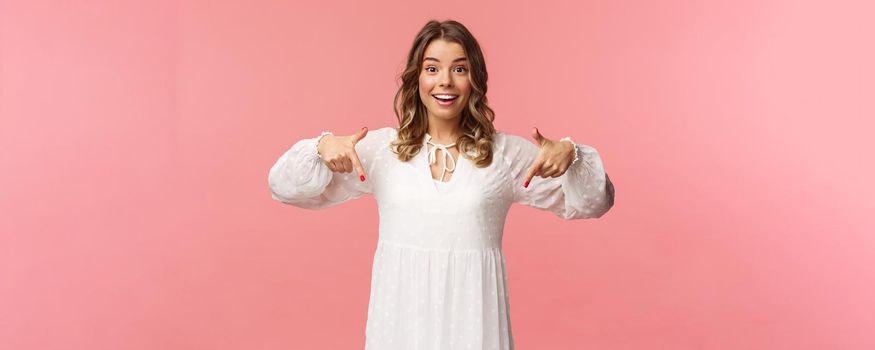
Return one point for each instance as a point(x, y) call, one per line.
point(136, 139)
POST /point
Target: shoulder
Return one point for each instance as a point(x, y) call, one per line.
point(377, 139)
point(386, 131)
point(505, 141)
point(516, 152)
point(383, 134)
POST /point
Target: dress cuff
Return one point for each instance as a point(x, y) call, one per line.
point(316, 145)
point(576, 149)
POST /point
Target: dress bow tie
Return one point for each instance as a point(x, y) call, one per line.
point(432, 156)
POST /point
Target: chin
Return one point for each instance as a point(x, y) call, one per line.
point(447, 115)
point(443, 113)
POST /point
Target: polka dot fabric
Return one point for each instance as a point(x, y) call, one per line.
point(439, 278)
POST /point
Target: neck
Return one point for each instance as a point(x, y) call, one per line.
point(444, 131)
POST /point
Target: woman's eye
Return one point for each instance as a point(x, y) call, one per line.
point(431, 69)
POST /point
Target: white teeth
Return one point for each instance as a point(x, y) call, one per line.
point(445, 97)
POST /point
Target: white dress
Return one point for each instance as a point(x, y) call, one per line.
point(438, 280)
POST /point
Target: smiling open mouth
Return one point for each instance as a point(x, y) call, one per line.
point(445, 100)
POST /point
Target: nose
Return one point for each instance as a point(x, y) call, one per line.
point(446, 79)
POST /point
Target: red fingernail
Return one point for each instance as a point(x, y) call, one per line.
point(362, 177)
point(526, 185)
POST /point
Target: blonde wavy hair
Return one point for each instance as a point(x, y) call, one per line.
point(476, 143)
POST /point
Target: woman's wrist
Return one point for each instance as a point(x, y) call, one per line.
point(573, 145)
point(324, 133)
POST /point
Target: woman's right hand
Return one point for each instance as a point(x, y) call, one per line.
point(338, 152)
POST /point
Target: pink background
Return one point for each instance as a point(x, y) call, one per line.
point(136, 138)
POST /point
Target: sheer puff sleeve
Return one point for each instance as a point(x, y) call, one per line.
point(300, 178)
point(584, 191)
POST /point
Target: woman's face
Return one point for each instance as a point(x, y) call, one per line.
point(444, 71)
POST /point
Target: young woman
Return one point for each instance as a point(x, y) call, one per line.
point(443, 180)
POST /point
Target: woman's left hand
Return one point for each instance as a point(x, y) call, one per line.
point(553, 159)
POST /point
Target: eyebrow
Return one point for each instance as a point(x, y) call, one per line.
point(437, 60)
